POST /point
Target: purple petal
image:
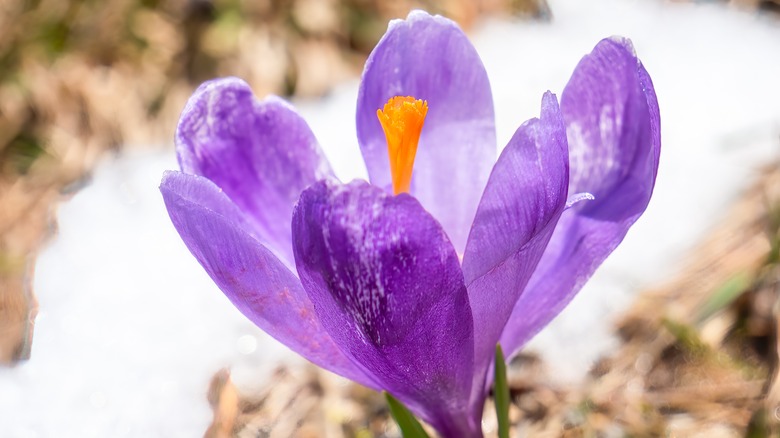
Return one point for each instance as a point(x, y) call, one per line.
point(261, 153)
point(430, 58)
point(613, 127)
point(386, 284)
point(524, 198)
point(254, 280)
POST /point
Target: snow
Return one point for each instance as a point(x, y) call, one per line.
point(130, 328)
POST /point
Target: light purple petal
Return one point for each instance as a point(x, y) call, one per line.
point(254, 280)
point(613, 127)
point(524, 198)
point(430, 58)
point(261, 153)
point(386, 284)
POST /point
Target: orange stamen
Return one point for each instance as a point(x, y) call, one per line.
point(402, 120)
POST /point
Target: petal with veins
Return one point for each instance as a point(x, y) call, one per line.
point(386, 284)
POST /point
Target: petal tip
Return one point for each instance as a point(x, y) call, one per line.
point(626, 43)
point(420, 16)
point(622, 43)
point(167, 176)
point(417, 15)
point(218, 85)
point(550, 100)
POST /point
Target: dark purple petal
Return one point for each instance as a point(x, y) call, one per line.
point(613, 127)
point(261, 153)
point(254, 280)
point(523, 199)
point(386, 284)
point(430, 58)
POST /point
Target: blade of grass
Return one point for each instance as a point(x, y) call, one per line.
point(410, 427)
point(724, 296)
point(501, 394)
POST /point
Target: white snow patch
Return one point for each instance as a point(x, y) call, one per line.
point(130, 328)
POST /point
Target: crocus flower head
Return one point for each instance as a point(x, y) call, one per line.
point(407, 282)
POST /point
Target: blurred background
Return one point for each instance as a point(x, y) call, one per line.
point(90, 93)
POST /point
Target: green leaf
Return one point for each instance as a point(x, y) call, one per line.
point(724, 296)
point(410, 427)
point(501, 394)
point(758, 426)
point(687, 337)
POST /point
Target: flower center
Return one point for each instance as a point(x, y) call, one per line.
point(402, 120)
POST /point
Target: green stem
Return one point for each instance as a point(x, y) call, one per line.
point(501, 394)
point(410, 427)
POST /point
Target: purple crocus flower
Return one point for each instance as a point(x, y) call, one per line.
point(410, 292)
